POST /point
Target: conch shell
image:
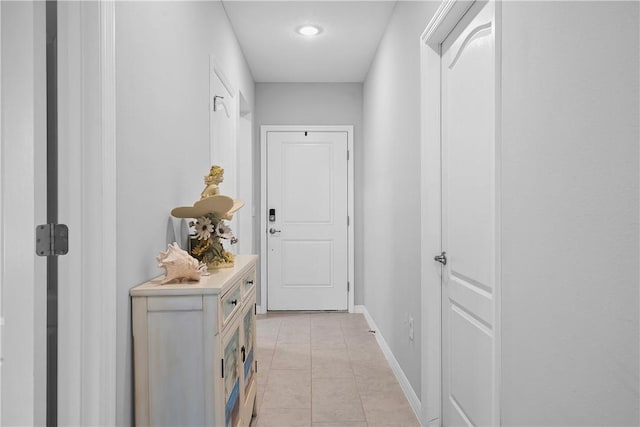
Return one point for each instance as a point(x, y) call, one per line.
point(178, 265)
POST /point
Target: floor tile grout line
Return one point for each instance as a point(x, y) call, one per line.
point(355, 380)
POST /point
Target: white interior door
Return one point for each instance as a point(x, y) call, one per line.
point(223, 121)
point(307, 226)
point(469, 220)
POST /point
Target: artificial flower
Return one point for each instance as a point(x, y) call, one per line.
point(204, 228)
point(224, 231)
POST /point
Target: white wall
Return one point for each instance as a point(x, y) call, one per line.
point(162, 121)
point(317, 104)
point(570, 213)
point(390, 186)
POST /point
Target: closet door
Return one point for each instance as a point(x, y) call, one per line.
point(469, 221)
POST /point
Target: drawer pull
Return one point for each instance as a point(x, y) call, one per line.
point(234, 302)
point(249, 281)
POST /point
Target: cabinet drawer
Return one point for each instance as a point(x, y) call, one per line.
point(249, 282)
point(230, 302)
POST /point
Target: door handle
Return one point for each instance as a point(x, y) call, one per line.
point(442, 258)
point(274, 231)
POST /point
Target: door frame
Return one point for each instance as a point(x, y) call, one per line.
point(87, 319)
point(23, 275)
point(87, 372)
point(264, 130)
point(444, 20)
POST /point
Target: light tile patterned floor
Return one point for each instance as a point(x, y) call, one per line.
point(325, 370)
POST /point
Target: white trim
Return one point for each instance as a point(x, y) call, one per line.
point(70, 192)
point(2, 224)
point(263, 204)
point(444, 20)
point(220, 149)
point(216, 69)
point(108, 285)
point(244, 175)
point(87, 202)
point(497, 314)
point(408, 391)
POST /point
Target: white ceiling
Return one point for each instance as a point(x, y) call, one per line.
point(341, 53)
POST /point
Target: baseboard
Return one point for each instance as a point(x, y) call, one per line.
point(261, 310)
point(411, 396)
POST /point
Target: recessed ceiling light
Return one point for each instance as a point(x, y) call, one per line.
point(309, 30)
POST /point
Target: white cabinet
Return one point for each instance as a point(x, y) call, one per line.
point(193, 345)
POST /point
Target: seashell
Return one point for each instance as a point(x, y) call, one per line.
point(178, 265)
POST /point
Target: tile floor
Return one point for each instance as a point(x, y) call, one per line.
point(325, 369)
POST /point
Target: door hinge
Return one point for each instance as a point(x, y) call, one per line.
point(255, 309)
point(348, 154)
point(222, 368)
point(348, 286)
point(52, 239)
point(348, 220)
point(256, 362)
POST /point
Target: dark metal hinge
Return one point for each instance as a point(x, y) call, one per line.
point(348, 286)
point(222, 367)
point(52, 239)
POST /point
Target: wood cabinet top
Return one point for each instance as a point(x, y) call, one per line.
point(217, 282)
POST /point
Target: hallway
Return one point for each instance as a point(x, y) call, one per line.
point(511, 262)
point(325, 369)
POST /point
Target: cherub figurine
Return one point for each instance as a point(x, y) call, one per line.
point(215, 177)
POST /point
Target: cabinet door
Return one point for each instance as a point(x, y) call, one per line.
point(232, 378)
point(247, 350)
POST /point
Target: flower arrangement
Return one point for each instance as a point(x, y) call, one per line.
point(209, 231)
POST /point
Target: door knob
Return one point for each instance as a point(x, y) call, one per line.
point(442, 258)
point(273, 230)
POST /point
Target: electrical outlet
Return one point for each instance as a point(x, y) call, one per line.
point(411, 328)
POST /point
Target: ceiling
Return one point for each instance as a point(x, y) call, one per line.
point(275, 52)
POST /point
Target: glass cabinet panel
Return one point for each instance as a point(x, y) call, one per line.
point(249, 366)
point(232, 381)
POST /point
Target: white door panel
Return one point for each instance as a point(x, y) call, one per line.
point(307, 187)
point(223, 139)
point(468, 220)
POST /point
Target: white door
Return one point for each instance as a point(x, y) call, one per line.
point(222, 139)
point(307, 223)
point(469, 220)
